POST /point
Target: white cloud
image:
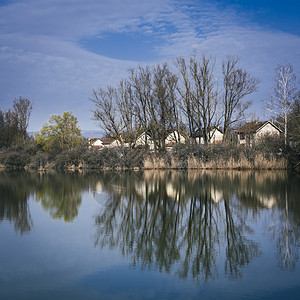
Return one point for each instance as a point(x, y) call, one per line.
point(41, 57)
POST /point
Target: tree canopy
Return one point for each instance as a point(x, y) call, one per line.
point(60, 132)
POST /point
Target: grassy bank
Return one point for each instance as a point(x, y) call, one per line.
point(189, 156)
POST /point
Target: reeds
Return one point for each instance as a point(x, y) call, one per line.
point(256, 162)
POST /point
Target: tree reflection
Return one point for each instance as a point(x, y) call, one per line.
point(60, 194)
point(14, 193)
point(286, 230)
point(190, 223)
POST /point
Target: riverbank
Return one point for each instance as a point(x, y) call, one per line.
point(227, 157)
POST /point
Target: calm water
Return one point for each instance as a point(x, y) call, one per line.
point(150, 235)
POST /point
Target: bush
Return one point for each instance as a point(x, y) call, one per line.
point(39, 160)
point(15, 160)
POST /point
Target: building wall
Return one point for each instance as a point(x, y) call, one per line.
point(175, 137)
point(140, 141)
point(217, 137)
point(267, 129)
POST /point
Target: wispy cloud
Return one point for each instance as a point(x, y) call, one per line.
point(42, 57)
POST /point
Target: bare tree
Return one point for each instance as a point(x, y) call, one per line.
point(199, 94)
point(204, 94)
point(185, 103)
point(141, 82)
point(154, 93)
point(163, 110)
point(237, 84)
point(282, 100)
point(106, 112)
point(127, 109)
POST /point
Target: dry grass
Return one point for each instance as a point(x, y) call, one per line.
point(243, 163)
point(154, 163)
point(261, 163)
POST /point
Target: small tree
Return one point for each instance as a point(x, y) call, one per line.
point(61, 132)
point(282, 100)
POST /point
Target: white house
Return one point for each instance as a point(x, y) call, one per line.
point(110, 142)
point(216, 136)
point(95, 143)
point(254, 131)
point(174, 137)
point(143, 140)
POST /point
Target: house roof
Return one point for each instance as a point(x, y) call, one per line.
point(253, 127)
point(107, 141)
point(199, 132)
point(94, 139)
point(179, 132)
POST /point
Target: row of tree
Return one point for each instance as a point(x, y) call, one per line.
point(158, 99)
point(191, 97)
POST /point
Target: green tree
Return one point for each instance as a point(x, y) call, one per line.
point(59, 133)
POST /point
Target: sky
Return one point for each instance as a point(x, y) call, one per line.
point(55, 52)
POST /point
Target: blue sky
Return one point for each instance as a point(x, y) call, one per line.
point(55, 52)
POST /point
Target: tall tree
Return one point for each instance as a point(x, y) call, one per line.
point(163, 111)
point(199, 94)
point(204, 94)
point(237, 84)
point(22, 108)
point(185, 103)
point(141, 82)
point(106, 111)
point(115, 111)
point(14, 123)
point(284, 94)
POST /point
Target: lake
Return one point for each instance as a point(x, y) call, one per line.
point(150, 235)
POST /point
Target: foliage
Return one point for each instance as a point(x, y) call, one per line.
point(14, 123)
point(59, 133)
point(13, 159)
point(118, 158)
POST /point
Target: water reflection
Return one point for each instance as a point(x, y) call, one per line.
point(14, 193)
point(177, 220)
point(195, 224)
point(60, 194)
